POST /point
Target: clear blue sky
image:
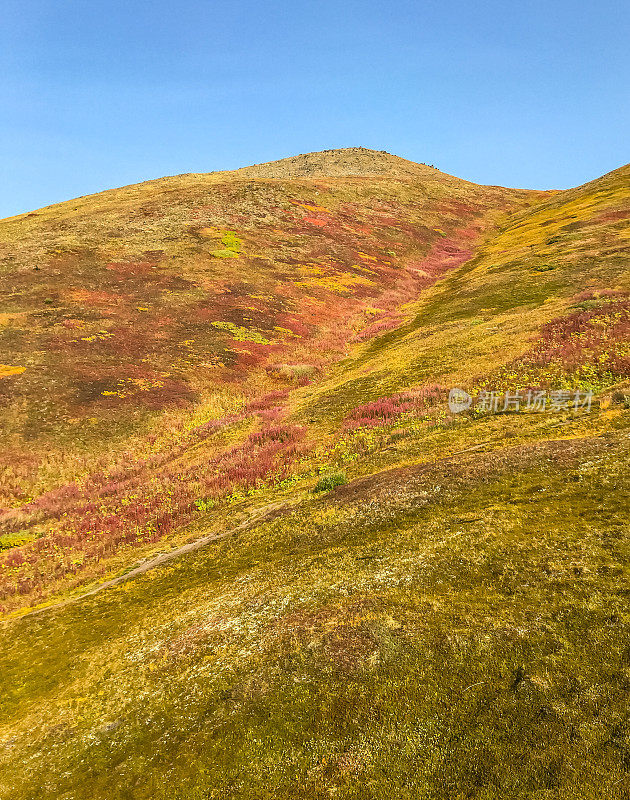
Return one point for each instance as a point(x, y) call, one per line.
point(98, 94)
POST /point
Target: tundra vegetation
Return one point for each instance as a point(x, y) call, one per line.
point(391, 598)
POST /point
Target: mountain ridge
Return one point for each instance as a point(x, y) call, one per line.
point(341, 163)
point(336, 163)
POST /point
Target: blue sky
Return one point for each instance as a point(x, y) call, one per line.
point(96, 94)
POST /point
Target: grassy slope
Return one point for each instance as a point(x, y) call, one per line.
point(490, 310)
point(174, 291)
point(452, 623)
point(133, 317)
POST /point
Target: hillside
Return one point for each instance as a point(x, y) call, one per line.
point(187, 360)
point(136, 319)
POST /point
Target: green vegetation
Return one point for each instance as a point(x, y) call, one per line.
point(328, 482)
point(205, 505)
point(232, 246)
point(240, 334)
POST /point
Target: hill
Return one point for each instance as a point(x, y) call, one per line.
point(134, 318)
point(344, 586)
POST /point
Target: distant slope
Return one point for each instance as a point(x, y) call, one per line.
point(553, 259)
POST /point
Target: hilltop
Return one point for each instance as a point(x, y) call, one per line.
point(345, 162)
point(237, 383)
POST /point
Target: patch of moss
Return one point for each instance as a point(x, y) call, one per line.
point(328, 482)
point(232, 246)
point(241, 334)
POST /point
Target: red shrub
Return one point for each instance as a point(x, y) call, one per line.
point(386, 409)
point(581, 338)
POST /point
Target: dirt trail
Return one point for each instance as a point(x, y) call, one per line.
point(264, 514)
point(353, 490)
